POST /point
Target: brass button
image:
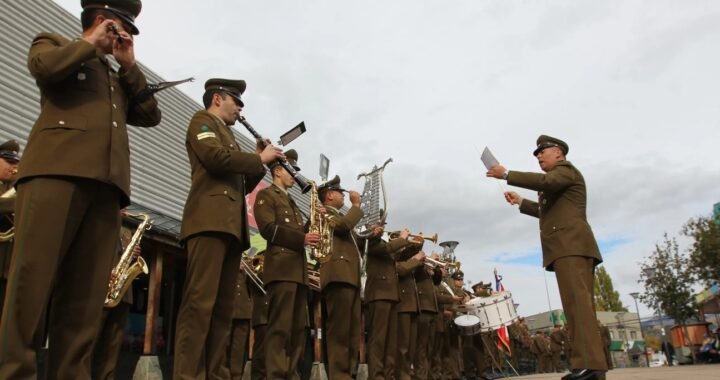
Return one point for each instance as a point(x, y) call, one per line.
point(112, 88)
point(61, 122)
point(115, 124)
point(225, 192)
point(115, 106)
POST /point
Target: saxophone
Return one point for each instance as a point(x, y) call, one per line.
point(320, 224)
point(126, 270)
point(9, 234)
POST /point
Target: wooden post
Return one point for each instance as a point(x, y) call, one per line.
point(153, 306)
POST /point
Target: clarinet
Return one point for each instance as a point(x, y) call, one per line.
point(299, 179)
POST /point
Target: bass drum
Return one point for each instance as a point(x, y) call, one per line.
point(467, 324)
point(495, 311)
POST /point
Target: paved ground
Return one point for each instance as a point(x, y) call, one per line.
point(686, 372)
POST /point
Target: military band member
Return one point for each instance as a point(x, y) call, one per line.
point(285, 274)
point(381, 298)
point(114, 319)
point(408, 261)
point(428, 306)
point(8, 171)
point(557, 341)
point(451, 359)
point(214, 229)
point(443, 321)
point(259, 323)
point(74, 178)
point(240, 328)
point(541, 348)
point(568, 244)
point(340, 282)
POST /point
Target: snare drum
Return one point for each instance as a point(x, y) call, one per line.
point(495, 311)
point(467, 324)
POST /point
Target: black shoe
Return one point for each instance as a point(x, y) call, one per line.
point(584, 374)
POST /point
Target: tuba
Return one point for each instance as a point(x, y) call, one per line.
point(8, 234)
point(320, 224)
point(126, 270)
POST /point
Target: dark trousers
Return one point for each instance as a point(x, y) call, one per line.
point(425, 339)
point(407, 340)
point(109, 342)
point(286, 329)
point(575, 276)
point(237, 349)
point(451, 353)
point(382, 341)
point(257, 369)
point(65, 237)
point(474, 356)
point(342, 326)
point(204, 319)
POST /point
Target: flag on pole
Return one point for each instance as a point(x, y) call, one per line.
point(503, 340)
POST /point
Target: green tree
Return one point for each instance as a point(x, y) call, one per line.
point(606, 297)
point(705, 250)
point(667, 280)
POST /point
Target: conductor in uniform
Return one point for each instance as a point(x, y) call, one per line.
point(280, 223)
point(214, 229)
point(8, 171)
point(340, 282)
point(73, 181)
point(568, 245)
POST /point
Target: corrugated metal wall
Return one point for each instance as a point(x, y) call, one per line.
point(160, 169)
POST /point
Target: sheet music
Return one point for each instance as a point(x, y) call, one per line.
point(488, 159)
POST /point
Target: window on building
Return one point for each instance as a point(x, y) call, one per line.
point(633, 335)
point(612, 334)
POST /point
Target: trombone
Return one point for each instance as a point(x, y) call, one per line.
point(253, 266)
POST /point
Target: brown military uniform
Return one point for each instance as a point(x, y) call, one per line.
point(286, 280)
point(541, 349)
point(569, 249)
point(438, 350)
point(557, 341)
point(259, 323)
point(451, 345)
point(381, 298)
point(240, 330)
point(606, 341)
point(340, 283)
point(426, 322)
point(215, 233)
point(408, 309)
point(75, 169)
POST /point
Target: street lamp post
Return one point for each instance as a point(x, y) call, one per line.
point(635, 296)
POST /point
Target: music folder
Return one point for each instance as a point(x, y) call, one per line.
point(488, 158)
point(292, 134)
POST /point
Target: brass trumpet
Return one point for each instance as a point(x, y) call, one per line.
point(431, 263)
point(396, 234)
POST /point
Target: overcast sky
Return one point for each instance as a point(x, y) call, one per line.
point(631, 86)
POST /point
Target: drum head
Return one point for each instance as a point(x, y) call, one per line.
point(467, 320)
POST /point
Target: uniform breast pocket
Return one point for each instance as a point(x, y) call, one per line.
point(86, 79)
point(225, 195)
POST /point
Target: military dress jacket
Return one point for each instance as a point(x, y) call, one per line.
point(445, 301)
point(561, 209)
point(539, 345)
point(242, 306)
point(85, 106)
point(425, 290)
point(557, 340)
point(281, 224)
point(221, 176)
point(382, 278)
point(407, 291)
point(344, 264)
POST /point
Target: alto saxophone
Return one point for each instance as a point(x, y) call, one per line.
point(320, 224)
point(9, 234)
point(126, 270)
